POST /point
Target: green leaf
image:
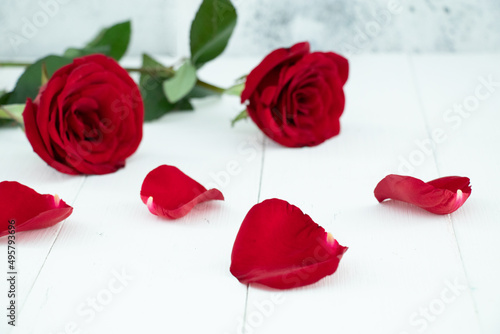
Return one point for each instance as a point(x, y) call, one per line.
point(155, 68)
point(183, 104)
point(6, 122)
point(241, 115)
point(30, 81)
point(151, 85)
point(211, 29)
point(12, 112)
point(116, 37)
point(149, 62)
point(181, 83)
point(235, 90)
point(4, 96)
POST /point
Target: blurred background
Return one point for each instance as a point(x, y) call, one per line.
point(33, 28)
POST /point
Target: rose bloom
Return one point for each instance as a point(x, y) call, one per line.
point(87, 119)
point(296, 97)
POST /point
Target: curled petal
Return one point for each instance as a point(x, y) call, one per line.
point(342, 64)
point(168, 192)
point(441, 196)
point(29, 209)
point(272, 60)
point(280, 247)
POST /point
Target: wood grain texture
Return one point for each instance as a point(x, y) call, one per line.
point(399, 258)
point(148, 274)
point(461, 95)
point(20, 164)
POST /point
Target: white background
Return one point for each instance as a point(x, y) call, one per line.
point(348, 26)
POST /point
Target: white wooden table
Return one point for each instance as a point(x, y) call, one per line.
point(112, 267)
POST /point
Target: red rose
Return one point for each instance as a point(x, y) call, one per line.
point(296, 97)
point(87, 119)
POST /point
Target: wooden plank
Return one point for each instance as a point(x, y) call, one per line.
point(461, 95)
point(401, 260)
point(21, 164)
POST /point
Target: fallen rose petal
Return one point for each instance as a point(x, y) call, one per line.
point(280, 247)
point(29, 209)
point(441, 196)
point(168, 192)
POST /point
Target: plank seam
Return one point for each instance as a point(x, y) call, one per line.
point(436, 164)
point(245, 311)
point(50, 249)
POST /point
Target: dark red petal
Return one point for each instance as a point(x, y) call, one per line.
point(342, 64)
point(29, 209)
point(168, 192)
point(272, 60)
point(280, 247)
point(36, 141)
point(441, 196)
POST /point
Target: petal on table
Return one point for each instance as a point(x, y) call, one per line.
point(280, 247)
point(441, 196)
point(29, 209)
point(168, 192)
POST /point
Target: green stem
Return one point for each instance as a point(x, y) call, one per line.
point(13, 64)
point(151, 70)
point(148, 70)
point(211, 87)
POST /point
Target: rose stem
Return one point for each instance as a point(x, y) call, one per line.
point(149, 70)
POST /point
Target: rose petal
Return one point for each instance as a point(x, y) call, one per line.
point(37, 142)
point(342, 63)
point(29, 209)
point(441, 196)
point(269, 63)
point(280, 247)
point(168, 192)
